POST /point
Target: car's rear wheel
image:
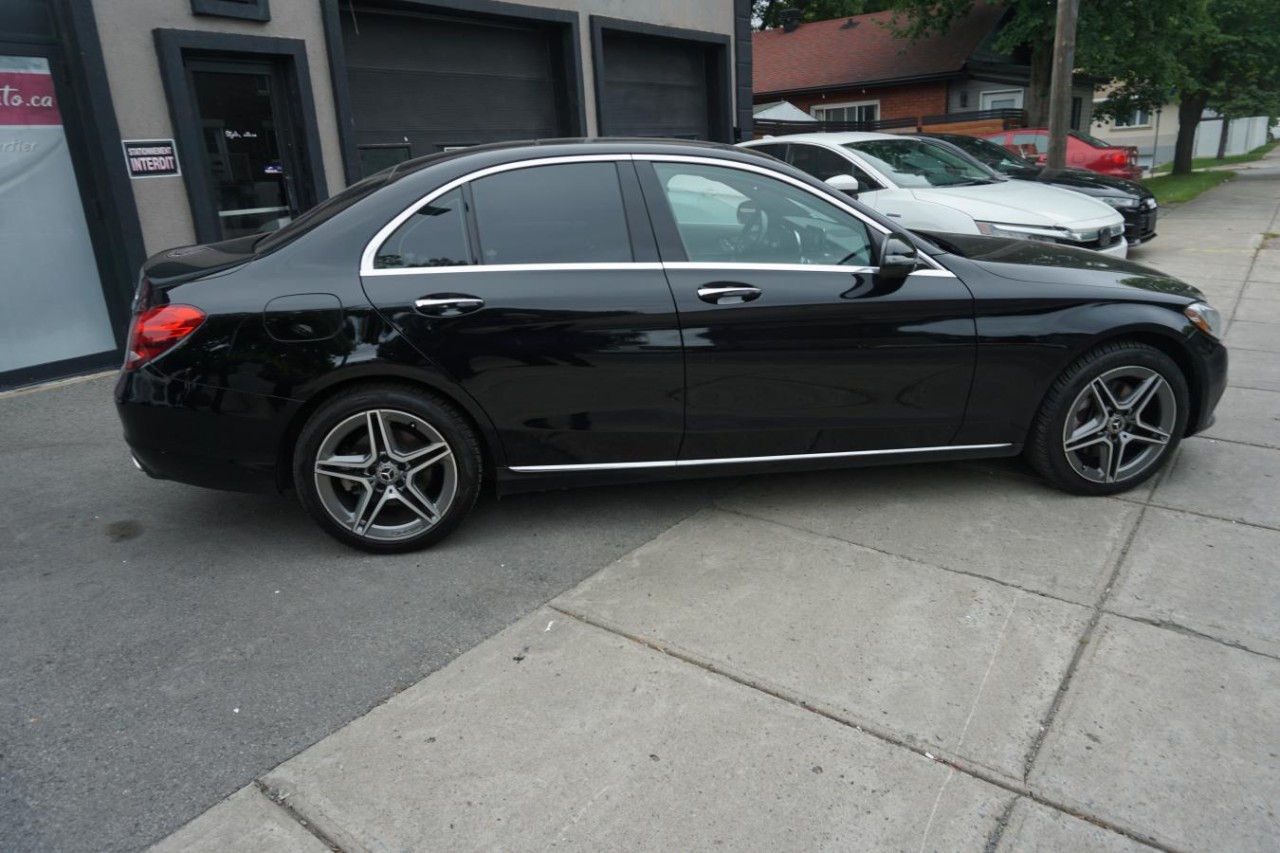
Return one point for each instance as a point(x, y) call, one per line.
point(386, 468)
point(1111, 420)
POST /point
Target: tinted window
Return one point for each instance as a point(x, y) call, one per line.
point(819, 162)
point(731, 215)
point(570, 213)
point(779, 150)
point(434, 236)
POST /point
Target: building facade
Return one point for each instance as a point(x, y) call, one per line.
point(130, 126)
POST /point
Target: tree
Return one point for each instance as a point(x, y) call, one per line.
point(768, 13)
point(1123, 40)
point(1221, 56)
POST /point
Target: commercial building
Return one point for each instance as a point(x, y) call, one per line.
point(129, 126)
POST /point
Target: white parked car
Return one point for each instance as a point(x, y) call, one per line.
point(927, 188)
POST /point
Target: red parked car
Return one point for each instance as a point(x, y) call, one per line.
point(1083, 151)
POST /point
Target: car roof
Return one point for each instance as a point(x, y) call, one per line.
point(531, 148)
point(831, 138)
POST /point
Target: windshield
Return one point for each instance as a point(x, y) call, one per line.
point(912, 163)
point(1092, 140)
point(991, 153)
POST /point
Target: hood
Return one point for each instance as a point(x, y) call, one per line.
point(174, 266)
point(1033, 261)
point(1023, 203)
point(1082, 180)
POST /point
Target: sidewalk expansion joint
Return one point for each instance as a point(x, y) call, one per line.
point(1082, 646)
point(281, 802)
point(1169, 625)
point(956, 763)
point(1240, 442)
point(997, 831)
point(915, 561)
point(1211, 516)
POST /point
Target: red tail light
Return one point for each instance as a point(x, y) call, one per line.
point(157, 330)
point(1120, 158)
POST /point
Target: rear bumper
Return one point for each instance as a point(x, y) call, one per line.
point(200, 435)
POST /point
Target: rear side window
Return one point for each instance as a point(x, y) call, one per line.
point(434, 236)
point(819, 162)
point(568, 213)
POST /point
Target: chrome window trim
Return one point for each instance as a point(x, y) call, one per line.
point(585, 265)
point(738, 265)
point(741, 460)
point(938, 273)
point(371, 248)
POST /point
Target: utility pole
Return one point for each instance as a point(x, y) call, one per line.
point(1064, 57)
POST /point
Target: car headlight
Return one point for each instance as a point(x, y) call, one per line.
point(1118, 201)
point(1205, 318)
point(1021, 232)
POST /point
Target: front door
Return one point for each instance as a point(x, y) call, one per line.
point(250, 153)
point(526, 289)
point(794, 345)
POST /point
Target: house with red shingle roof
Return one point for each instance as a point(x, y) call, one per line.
point(856, 70)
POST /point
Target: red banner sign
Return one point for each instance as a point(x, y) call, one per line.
point(27, 99)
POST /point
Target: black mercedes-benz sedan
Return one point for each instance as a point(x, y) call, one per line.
point(1132, 200)
point(569, 312)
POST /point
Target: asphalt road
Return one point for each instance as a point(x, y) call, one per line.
point(164, 645)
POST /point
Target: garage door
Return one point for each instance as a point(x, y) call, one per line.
point(656, 86)
point(422, 84)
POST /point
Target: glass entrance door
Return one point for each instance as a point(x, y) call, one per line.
point(52, 306)
point(248, 147)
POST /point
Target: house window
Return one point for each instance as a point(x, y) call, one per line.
point(863, 111)
point(1134, 118)
point(1003, 99)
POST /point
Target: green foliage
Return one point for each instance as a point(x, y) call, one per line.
point(768, 13)
point(1175, 189)
point(1208, 162)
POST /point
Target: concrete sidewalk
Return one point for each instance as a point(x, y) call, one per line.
point(952, 657)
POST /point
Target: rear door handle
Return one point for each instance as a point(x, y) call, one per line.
point(448, 304)
point(728, 294)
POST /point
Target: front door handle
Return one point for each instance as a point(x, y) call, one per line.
point(728, 294)
point(448, 304)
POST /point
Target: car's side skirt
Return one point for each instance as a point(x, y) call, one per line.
point(749, 460)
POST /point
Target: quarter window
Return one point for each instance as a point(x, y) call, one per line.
point(736, 216)
point(570, 213)
point(434, 236)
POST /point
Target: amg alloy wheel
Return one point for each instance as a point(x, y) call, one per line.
point(389, 471)
point(1111, 420)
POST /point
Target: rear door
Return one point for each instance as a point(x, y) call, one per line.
point(538, 290)
point(794, 345)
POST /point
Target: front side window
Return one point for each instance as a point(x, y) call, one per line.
point(726, 215)
point(911, 163)
point(434, 236)
point(565, 213)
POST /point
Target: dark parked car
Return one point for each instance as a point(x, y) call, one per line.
point(1136, 203)
point(574, 312)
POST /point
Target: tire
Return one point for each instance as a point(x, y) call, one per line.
point(1110, 421)
point(387, 468)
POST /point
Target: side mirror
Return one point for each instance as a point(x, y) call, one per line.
point(845, 183)
point(898, 258)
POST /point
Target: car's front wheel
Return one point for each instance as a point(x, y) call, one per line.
point(1111, 420)
point(387, 468)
